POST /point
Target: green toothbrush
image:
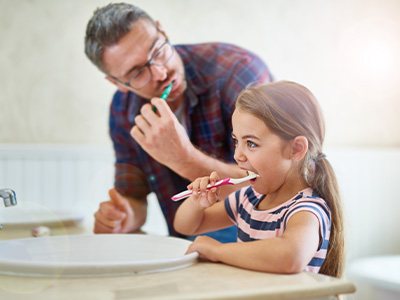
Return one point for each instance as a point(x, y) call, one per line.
point(165, 94)
point(167, 90)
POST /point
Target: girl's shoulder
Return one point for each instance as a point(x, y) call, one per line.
point(309, 200)
point(308, 195)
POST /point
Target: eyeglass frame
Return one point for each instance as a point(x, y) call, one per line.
point(148, 65)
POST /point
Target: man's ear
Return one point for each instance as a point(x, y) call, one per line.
point(299, 147)
point(119, 85)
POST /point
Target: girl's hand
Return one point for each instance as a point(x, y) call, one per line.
point(206, 247)
point(201, 195)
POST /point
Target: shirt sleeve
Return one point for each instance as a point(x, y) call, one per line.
point(318, 208)
point(129, 178)
point(247, 70)
point(232, 205)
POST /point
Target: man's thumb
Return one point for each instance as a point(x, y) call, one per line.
point(117, 199)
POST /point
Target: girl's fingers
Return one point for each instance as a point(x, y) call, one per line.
point(214, 177)
point(212, 196)
point(204, 183)
point(200, 191)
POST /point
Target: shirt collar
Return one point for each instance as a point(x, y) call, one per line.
point(193, 73)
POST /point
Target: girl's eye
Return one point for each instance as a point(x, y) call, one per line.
point(235, 142)
point(251, 144)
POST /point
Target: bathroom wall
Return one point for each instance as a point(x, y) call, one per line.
point(344, 51)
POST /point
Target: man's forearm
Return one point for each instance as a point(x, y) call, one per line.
point(197, 164)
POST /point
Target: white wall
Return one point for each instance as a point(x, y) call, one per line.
point(368, 180)
point(344, 51)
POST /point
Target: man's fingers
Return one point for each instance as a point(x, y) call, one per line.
point(122, 203)
point(142, 123)
point(109, 210)
point(106, 221)
point(100, 227)
point(148, 114)
point(162, 107)
point(118, 199)
point(137, 134)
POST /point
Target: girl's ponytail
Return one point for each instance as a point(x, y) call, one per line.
point(324, 182)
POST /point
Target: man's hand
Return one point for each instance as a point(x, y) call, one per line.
point(118, 216)
point(161, 135)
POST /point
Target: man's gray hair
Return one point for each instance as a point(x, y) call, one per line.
point(107, 26)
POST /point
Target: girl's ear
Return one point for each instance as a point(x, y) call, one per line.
point(299, 147)
point(119, 85)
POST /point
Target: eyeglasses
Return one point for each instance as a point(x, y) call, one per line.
point(142, 75)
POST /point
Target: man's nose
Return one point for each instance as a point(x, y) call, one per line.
point(159, 72)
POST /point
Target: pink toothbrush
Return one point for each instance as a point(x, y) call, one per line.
point(225, 181)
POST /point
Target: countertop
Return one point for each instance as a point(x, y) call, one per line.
point(203, 280)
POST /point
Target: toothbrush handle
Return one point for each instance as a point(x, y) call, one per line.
point(187, 193)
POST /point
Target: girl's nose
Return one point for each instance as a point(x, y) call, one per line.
point(239, 155)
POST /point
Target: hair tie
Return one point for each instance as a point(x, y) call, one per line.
point(320, 156)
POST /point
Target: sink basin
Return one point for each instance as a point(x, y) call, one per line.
point(28, 217)
point(93, 255)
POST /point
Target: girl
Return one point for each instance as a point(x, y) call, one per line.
point(289, 219)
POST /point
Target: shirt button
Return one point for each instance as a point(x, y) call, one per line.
point(152, 178)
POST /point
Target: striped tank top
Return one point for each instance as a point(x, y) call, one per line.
point(254, 224)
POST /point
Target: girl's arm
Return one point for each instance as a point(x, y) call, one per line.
point(192, 219)
point(201, 212)
point(287, 254)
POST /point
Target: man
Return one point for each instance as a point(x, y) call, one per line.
point(161, 146)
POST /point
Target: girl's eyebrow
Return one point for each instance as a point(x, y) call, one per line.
point(248, 136)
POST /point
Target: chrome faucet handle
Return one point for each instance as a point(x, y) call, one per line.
point(9, 197)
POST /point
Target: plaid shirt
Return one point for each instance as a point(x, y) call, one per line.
point(215, 75)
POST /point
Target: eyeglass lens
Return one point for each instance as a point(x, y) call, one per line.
point(160, 57)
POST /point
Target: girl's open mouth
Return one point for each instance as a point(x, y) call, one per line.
point(254, 179)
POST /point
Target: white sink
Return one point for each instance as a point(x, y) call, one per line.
point(93, 255)
point(31, 216)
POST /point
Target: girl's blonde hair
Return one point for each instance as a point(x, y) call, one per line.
point(289, 110)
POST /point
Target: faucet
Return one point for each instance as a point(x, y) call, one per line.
point(9, 198)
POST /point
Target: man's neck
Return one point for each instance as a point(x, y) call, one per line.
point(177, 103)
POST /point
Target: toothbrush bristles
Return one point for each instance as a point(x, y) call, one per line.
point(250, 173)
